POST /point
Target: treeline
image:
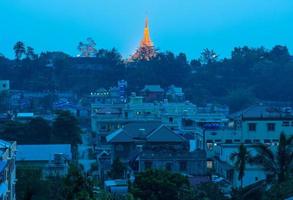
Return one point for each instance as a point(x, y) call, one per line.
point(249, 75)
point(64, 130)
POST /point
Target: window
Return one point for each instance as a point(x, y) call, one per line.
point(119, 147)
point(103, 139)
point(247, 141)
point(148, 164)
point(271, 127)
point(228, 141)
point(230, 174)
point(209, 164)
point(213, 133)
point(210, 145)
point(183, 165)
point(256, 141)
point(168, 166)
point(171, 120)
point(285, 123)
point(252, 126)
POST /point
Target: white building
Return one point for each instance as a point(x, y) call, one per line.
point(254, 125)
point(7, 170)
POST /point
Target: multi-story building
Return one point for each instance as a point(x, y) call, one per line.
point(7, 170)
point(257, 124)
point(109, 117)
point(144, 145)
point(51, 159)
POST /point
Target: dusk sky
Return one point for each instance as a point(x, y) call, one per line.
point(176, 25)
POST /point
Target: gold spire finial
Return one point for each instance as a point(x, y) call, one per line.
point(146, 22)
point(146, 41)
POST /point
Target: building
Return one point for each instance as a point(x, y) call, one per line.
point(52, 159)
point(175, 94)
point(146, 50)
point(7, 170)
point(4, 86)
point(179, 116)
point(257, 124)
point(153, 93)
point(145, 145)
point(109, 117)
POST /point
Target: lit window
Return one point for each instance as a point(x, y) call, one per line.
point(209, 164)
point(210, 146)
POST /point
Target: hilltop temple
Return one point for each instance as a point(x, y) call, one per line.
point(146, 50)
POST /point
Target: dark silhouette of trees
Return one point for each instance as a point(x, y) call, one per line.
point(158, 184)
point(277, 165)
point(117, 170)
point(208, 56)
point(66, 129)
point(248, 76)
point(19, 50)
point(241, 158)
point(30, 54)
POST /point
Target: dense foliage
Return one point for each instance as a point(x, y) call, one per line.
point(31, 185)
point(250, 74)
point(162, 184)
point(117, 170)
point(64, 130)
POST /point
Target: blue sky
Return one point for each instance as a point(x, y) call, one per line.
point(176, 25)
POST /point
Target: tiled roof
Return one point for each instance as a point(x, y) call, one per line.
point(149, 131)
point(153, 88)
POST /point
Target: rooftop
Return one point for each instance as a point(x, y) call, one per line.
point(42, 152)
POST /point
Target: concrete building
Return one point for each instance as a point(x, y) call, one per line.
point(257, 124)
point(175, 94)
point(7, 170)
point(52, 159)
point(145, 145)
point(153, 93)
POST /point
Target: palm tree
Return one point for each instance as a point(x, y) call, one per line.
point(242, 157)
point(275, 164)
point(19, 50)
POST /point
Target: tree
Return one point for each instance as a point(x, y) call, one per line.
point(208, 191)
point(77, 185)
point(39, 131)
point(19, 50)
point(208, 56)
point(30, 54)
point(66, 128)
point(159, 185)
point(278, 191)
point(117, 169)
point(242, 158)
point(277, 165)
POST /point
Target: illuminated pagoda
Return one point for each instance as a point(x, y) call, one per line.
point(146, 50)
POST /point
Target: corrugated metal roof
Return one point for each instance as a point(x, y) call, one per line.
point(43, 152)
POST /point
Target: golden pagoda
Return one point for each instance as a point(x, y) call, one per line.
point(146, 50)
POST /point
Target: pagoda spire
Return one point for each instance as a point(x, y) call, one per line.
point(146, 49)
point(146, 40)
